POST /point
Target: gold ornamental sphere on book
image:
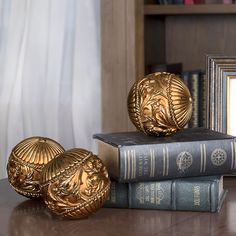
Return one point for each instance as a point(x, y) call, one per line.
point(159, 104)
point(26, 162)
point(75, 184)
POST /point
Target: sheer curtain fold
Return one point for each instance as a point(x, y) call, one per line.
point(50, 70)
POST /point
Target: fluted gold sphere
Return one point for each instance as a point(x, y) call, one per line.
point(159, 104)
point(75, 184)
point(26, 162)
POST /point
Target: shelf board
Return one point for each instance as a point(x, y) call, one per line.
point(199, 9)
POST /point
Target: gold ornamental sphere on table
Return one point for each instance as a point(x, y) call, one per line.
point(159, 104)
point(75, 184)
point(26, 162)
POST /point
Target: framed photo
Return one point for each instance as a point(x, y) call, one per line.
point(221, 93)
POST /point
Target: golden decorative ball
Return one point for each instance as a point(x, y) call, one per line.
point(159, 104)
point(75, 184)
point(26, 162)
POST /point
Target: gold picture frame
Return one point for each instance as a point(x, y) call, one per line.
point(221, 82)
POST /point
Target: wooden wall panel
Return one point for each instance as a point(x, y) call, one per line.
point(120, 39)
point(154, 34)
point(190, 38)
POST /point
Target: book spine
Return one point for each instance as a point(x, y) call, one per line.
point(118, 196)
point(189, 195)
point(202, 100)
point(194, 90)
point(175, 160)
point(188, 2)
point(195, 196)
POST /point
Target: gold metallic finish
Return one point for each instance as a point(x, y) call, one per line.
point(26, 162)
point(164, 161)
point(167, 160)
point(159, 104)
point(75, 184)
point(152, 159)
point(125, 167)
point(204, 152)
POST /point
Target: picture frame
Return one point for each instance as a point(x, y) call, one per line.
point(221, 98)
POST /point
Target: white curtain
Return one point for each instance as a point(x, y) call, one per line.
point(49, 72)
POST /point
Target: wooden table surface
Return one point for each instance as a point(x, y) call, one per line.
point(20, 216)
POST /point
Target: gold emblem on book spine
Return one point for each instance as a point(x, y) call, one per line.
point(26, 162)
point(75, 184)
point(159, 104)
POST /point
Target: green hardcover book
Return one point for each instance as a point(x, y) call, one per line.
point(135, 157)
point(187, 194)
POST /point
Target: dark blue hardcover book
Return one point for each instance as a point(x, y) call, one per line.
point(135, 157)
point(202, 100)
point(187, 194)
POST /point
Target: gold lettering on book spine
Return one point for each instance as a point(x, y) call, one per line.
point(125, 165)
point(203, 158)
point(133, 158)
point(152, 162)
point(197, 195)
point(165, 161)
point(129, 164)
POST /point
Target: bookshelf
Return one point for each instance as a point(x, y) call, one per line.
point(200, 9)
point(137, 33)
point(179, 33)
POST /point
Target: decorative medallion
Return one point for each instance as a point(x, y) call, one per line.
point(159, 104)
point(184, 160)
point(218, 157)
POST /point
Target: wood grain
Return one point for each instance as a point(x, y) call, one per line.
point(19, 216)
point(198, 9)
point(120, 66)
point(155, 40)
point(190, 38)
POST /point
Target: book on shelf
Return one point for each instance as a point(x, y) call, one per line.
point(165, 2)
point(135, 157)
point(188, 2)
point(175, 68)
point(188, 194)
point(196, 83)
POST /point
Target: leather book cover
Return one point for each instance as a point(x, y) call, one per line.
point(134, 156)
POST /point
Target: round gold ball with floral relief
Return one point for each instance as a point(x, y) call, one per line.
point(75, 184)
point(159, 104)
point(26, 162)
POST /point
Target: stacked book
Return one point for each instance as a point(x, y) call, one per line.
point(178, 172)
